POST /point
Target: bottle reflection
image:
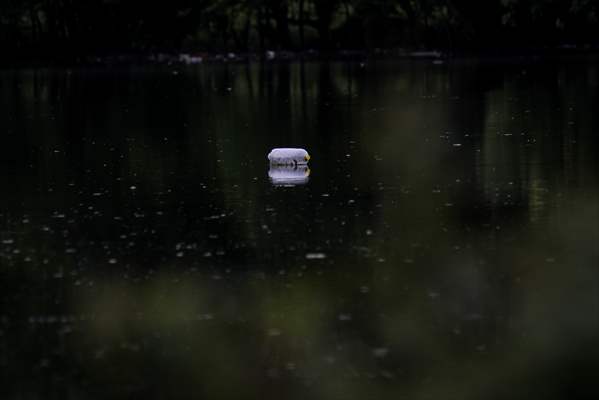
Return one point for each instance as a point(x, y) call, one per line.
point(289, 175)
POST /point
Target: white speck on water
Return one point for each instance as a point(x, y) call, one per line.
point(204, 317)
point(214, 217)
point(274, 332)
point(330, 359)
point(133, 187)
point(315, 256)
point(457, 145)
point(380, 352)
point(344, 317)
point(368, 232)
point(112, 261)
point(290, 366)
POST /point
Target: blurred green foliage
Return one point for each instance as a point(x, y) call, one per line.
point(70, 28)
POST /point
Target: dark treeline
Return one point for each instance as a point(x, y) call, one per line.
point(72, 28)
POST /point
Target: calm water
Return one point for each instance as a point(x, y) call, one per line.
point(443, 246)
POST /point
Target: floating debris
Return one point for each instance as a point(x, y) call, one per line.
point(316, 256)
point(288, 156)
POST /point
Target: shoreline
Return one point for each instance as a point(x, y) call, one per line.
point(273, 56)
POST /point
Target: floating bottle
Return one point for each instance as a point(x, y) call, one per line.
point(288, 156)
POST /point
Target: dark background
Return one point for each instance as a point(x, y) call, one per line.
point(70, 30)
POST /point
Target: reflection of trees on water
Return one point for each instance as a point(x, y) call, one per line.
point(405, 256)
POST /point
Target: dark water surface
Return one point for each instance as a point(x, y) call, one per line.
point(444, 246)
